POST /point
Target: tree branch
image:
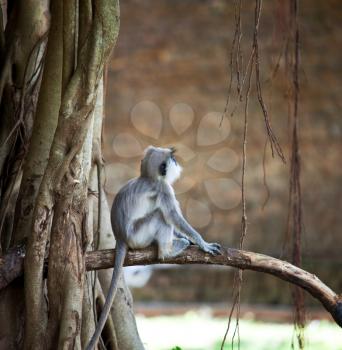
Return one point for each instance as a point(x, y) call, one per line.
point(103, 259)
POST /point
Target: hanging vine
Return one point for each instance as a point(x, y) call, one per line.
point(295, 223)
point(243, 88)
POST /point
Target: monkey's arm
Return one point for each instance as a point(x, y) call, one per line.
point(173, 215)
point(183, 226)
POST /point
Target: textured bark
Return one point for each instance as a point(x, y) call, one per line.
point(51, 207)
point(61, 201)
point(27, 25)
point(44, 127)
point(236, 258)
point(23, 47)
point(104, 259)
point(20, 72)
point(48, 105)
point(30, 23)
point(89, 298)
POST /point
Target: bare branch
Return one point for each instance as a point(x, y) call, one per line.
point(104, 259)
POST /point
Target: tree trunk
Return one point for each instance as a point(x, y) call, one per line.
point(52, 151)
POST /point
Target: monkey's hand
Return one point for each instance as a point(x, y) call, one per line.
point(211, 248)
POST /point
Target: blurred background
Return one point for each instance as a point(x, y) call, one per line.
point(167, 85)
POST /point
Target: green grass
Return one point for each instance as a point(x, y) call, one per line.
point(199, 331)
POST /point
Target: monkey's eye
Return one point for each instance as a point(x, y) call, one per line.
point(162, 169)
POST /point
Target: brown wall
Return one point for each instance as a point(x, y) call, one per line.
point(172, 52)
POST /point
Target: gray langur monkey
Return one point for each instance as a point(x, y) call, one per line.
point(145, 211)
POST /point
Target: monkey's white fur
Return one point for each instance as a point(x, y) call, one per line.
point(174, 171)
point(145, 211)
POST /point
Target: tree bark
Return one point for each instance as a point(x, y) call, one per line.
point(104, 259)
point(236, 258)
point(59, 224)
point(24, 38)
point(50, 202)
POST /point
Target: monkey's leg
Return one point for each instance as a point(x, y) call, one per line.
point(168, 245)
point(164, 238)
point(179, 245)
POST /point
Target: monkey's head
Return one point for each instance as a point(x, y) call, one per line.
point(160, 163)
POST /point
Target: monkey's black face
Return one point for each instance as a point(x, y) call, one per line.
point(165, 164)
point(162, 169)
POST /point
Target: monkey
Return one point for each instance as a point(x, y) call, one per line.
point(146, 211)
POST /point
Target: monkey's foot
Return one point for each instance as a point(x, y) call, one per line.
point(211, 248)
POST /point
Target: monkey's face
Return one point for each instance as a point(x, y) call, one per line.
point(172, 168)
point(160, 163)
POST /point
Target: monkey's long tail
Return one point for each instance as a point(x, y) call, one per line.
point(121, 250)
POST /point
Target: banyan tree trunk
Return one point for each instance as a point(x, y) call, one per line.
point(53, 58)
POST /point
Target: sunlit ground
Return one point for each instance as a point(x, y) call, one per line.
point(195, 331)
